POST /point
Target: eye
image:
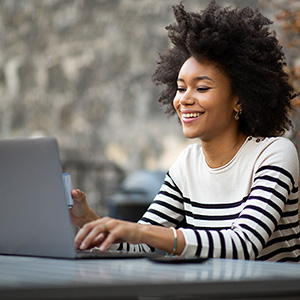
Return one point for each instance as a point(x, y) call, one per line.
point(181, 89)
point(203, 89)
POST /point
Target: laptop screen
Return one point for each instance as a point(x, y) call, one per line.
point(34, 217)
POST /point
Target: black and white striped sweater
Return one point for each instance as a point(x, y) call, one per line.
point(247, 209)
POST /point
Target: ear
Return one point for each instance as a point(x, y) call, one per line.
point(237, 106)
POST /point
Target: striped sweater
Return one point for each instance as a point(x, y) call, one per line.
point(246, 209)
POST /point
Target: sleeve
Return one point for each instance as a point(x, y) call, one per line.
point(275, 183)
point(167, 207)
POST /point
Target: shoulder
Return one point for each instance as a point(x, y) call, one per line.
point(281, 142)
point(279, 151)
point(277, 145)
point(270, 144)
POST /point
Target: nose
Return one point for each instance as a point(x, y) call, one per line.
point(187, 98)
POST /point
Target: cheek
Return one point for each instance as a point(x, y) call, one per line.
point(176, 103)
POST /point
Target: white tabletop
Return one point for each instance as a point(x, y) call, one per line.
point(42, 278)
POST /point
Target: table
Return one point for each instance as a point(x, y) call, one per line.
point(43, 278)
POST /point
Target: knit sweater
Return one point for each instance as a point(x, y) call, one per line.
point(246, 209)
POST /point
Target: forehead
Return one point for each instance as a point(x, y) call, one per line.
point(195, 68)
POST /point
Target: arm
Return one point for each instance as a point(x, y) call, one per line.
point(165, 211)
point(107, 231)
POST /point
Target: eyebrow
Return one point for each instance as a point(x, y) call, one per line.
point(198, 78)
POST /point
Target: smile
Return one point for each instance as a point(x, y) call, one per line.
point(191, 115)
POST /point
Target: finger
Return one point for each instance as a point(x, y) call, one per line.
point(88, 238)
point(74, 193)
point(111, 237)
point(99, 239)
point(77, 194)
point(81, 234)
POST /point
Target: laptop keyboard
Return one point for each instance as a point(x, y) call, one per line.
point(96, 253)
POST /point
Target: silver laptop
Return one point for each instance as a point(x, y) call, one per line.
point(34, 216)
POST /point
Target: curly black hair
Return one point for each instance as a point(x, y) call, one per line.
point(240, 43)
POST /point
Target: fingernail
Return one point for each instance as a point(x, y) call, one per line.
point(82, 246)
point(102, 248)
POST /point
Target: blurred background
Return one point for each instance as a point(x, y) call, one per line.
point(81, 70)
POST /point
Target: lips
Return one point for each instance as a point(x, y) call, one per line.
point(189, 116)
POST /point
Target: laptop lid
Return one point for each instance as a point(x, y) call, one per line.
point(34, 217)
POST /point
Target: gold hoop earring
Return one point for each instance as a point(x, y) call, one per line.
point(237, 115)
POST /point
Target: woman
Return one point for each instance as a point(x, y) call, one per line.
point(236, 194)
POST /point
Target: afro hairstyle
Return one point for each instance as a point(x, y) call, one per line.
point(239, 42)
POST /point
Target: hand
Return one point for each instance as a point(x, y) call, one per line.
point(81, 213)
point(106, 231)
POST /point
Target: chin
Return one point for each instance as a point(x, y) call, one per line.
point(191, 136)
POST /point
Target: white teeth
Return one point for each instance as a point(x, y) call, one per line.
point(191, 115)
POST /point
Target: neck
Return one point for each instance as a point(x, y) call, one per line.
point(219, 151)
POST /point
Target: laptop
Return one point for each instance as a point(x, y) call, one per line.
point(34, 214)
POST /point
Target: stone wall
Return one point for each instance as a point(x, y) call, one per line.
point(81, 70)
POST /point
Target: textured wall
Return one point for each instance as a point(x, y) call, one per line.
point(81, 70)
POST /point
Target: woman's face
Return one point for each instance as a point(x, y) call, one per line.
point(204, 101)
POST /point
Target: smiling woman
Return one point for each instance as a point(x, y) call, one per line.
point(234, 194)
point(205, 91)
point(206, 107)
